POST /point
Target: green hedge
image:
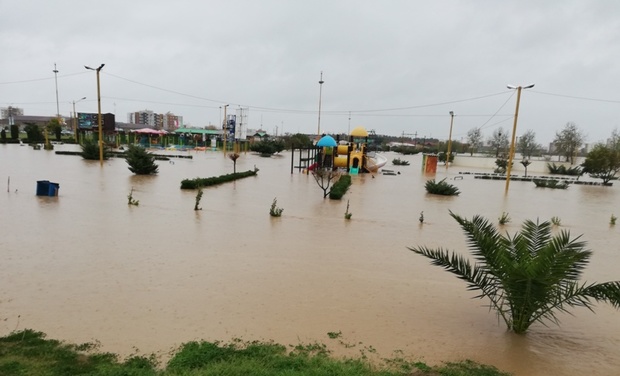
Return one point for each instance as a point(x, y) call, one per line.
point(340, 187)
point(215, 180)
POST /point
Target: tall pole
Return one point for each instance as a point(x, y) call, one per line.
point(75, 125)
point(99, 113)
point(48, 146)
point(450, 140)
point(318, 132)
point(349, 126)
point(225, 126)
point(514, 132)
point(56, 81)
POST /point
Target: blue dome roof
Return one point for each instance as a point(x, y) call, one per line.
point(327, 141)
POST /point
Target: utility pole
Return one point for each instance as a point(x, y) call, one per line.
point(99, 112)
point(318, 132)
point(514, 132)
point(225, 126)
point(449, 140)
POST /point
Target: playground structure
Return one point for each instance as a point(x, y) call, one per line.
point(351, 155)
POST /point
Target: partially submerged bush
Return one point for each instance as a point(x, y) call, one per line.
point(441, 156)
point(274, 210)
point(347, 214)
point(563, 170)
point(140, 161)
point(215, 180)
point(90, 150)
point(441, 188)
point(267, 147)
point(400, 162)
point(340, 187)
point(504, 219)
point(550, 183)
point(406, 150)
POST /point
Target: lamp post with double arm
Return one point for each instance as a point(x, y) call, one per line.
point(514, 131)
point(99, 112)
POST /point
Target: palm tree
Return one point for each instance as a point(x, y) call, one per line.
point(527, 277)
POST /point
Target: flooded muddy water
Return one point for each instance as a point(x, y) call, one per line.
point(86, 266)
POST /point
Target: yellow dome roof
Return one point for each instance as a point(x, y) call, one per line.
point(359, 132)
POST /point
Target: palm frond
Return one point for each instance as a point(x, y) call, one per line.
point(608, 292)
point(536, 234)
point(477, 278)
point(483, 240)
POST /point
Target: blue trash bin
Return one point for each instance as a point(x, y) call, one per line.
point(53, 189)
point(47, 188)
point(43, 187)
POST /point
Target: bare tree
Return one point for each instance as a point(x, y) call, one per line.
point(614, 141)
point(324, 177)
point(568, 141)
point(498, 141)
point(527, 144)
point(474, 139)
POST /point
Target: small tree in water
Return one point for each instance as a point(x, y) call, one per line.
point(140, 161)
point(90, 150)
point(525, 163)
point(198, 198)
point(527, 277)
point(324, 177)
point(233, 157)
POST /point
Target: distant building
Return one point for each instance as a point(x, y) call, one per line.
point(171, 122)
point(150, 119)
point(8, 112)
point(22, 120)
point(145, 118)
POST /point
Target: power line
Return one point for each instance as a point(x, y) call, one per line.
point(500, 107)
point(39, 79)
point(166, 90)
point(575, 97)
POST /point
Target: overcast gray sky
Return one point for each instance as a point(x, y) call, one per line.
point(395, 66)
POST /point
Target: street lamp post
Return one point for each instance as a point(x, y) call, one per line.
point(514, 132)
point(56, 81)
point(99, 112)
point(450, 140)
point(318, 132)
point(47, 145)
point(225, 126)
point(75, 125)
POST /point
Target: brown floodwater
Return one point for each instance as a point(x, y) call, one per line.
point(85, 266)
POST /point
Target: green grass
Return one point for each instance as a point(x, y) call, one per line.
point(27, 352)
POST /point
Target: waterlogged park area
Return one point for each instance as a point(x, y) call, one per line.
point(86, 267)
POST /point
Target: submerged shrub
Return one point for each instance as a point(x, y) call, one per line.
point(550, 183)
point(340, 187)
point(441, 188)
point(400, 162)
point(274, 210)
point(90, 150)
point(215, 180)
point(563, 170)
point(140, 161)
